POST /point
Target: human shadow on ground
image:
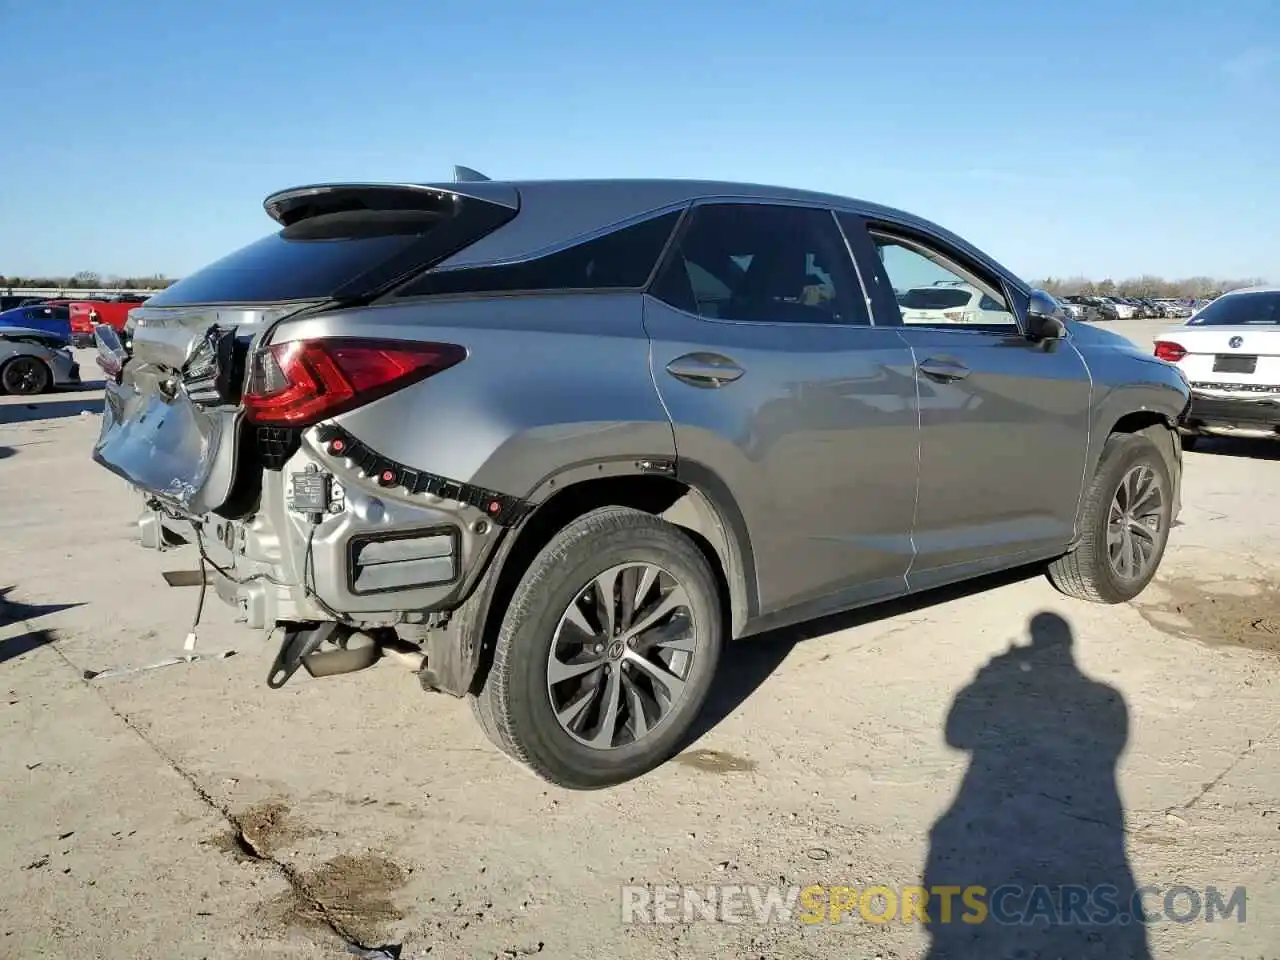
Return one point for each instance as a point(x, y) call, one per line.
point(1037, 820)
point(746, 664)
point(15, 611)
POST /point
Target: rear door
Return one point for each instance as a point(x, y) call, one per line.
point(1004, 422)
point(172, 419)
point(783, 394)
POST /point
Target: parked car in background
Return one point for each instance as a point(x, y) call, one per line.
point(113, 311)
point(1229, 353)
point(1198, 305)
point(33, 361)
point(1082, 308)
point(1072, 308)
point(10, 301)
point(949, 301)
point(54, 318)
point(1119, 308)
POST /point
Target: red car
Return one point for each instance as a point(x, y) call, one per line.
point(113, 311)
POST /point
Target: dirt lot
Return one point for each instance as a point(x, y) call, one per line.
point(190, 812)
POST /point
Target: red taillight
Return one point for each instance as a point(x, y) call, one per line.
point(81, 319)
point(1168, 350)
point(302, 381)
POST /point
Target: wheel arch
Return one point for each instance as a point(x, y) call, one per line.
point(695, 500)
point(1157, 426)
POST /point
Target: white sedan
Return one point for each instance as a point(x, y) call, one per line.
point(1229, 353)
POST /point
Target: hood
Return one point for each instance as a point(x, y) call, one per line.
point(1087, 334)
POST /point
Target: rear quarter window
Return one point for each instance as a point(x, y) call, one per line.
point(618, 260)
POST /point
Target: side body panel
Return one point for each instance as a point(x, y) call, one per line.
point(816, 441)
point(1002, 451)
point(1003, 445)
point(1127, 381)
point(550, 383)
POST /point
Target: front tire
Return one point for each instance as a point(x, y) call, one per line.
point(25, 376)
point(606, 652)
point(1128, 511)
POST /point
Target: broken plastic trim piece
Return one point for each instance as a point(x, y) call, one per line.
point(168, 662)
point(501, 509)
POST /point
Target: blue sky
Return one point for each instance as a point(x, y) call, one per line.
point(1104, 138)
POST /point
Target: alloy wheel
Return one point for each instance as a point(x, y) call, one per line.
point(1135, 523)
point(24, 376)
point(621, 655)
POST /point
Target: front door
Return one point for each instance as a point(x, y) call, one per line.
point(1004, 422)
point(778, 385)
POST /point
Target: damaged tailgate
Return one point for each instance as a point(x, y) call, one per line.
point(171, 421)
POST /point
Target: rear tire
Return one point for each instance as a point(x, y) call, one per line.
point(622, 707)
point(1119, 524)
point(25, 377)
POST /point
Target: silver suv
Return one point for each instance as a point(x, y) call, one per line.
point(555, 443)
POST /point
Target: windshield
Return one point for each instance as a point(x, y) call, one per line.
point(935, 298)
point(1241, 308)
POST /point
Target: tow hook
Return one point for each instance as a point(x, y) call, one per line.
point(328, 649)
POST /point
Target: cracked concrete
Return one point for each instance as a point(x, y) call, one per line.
point(190, 812)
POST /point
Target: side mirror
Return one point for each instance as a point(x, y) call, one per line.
point(1044, 318)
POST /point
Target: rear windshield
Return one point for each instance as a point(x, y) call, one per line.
point(1241, 308)
point(941, 298)
point(344, 254)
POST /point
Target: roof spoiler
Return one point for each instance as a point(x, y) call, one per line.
point(298, 203)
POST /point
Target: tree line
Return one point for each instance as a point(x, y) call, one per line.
point(89, 280)
point(1145, 286)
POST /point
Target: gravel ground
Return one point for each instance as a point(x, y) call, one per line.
point(190, 812)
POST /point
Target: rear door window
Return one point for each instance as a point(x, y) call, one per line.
point(763, 263)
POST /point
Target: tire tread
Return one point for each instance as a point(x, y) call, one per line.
point(1080, 573)
point(492, 706)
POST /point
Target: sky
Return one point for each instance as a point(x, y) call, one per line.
point(1085, 138)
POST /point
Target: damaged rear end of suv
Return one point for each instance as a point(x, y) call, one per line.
point(225, 411)
point(351, 438)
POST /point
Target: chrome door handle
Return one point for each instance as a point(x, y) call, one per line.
point(944, 370)
point(708, 370)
